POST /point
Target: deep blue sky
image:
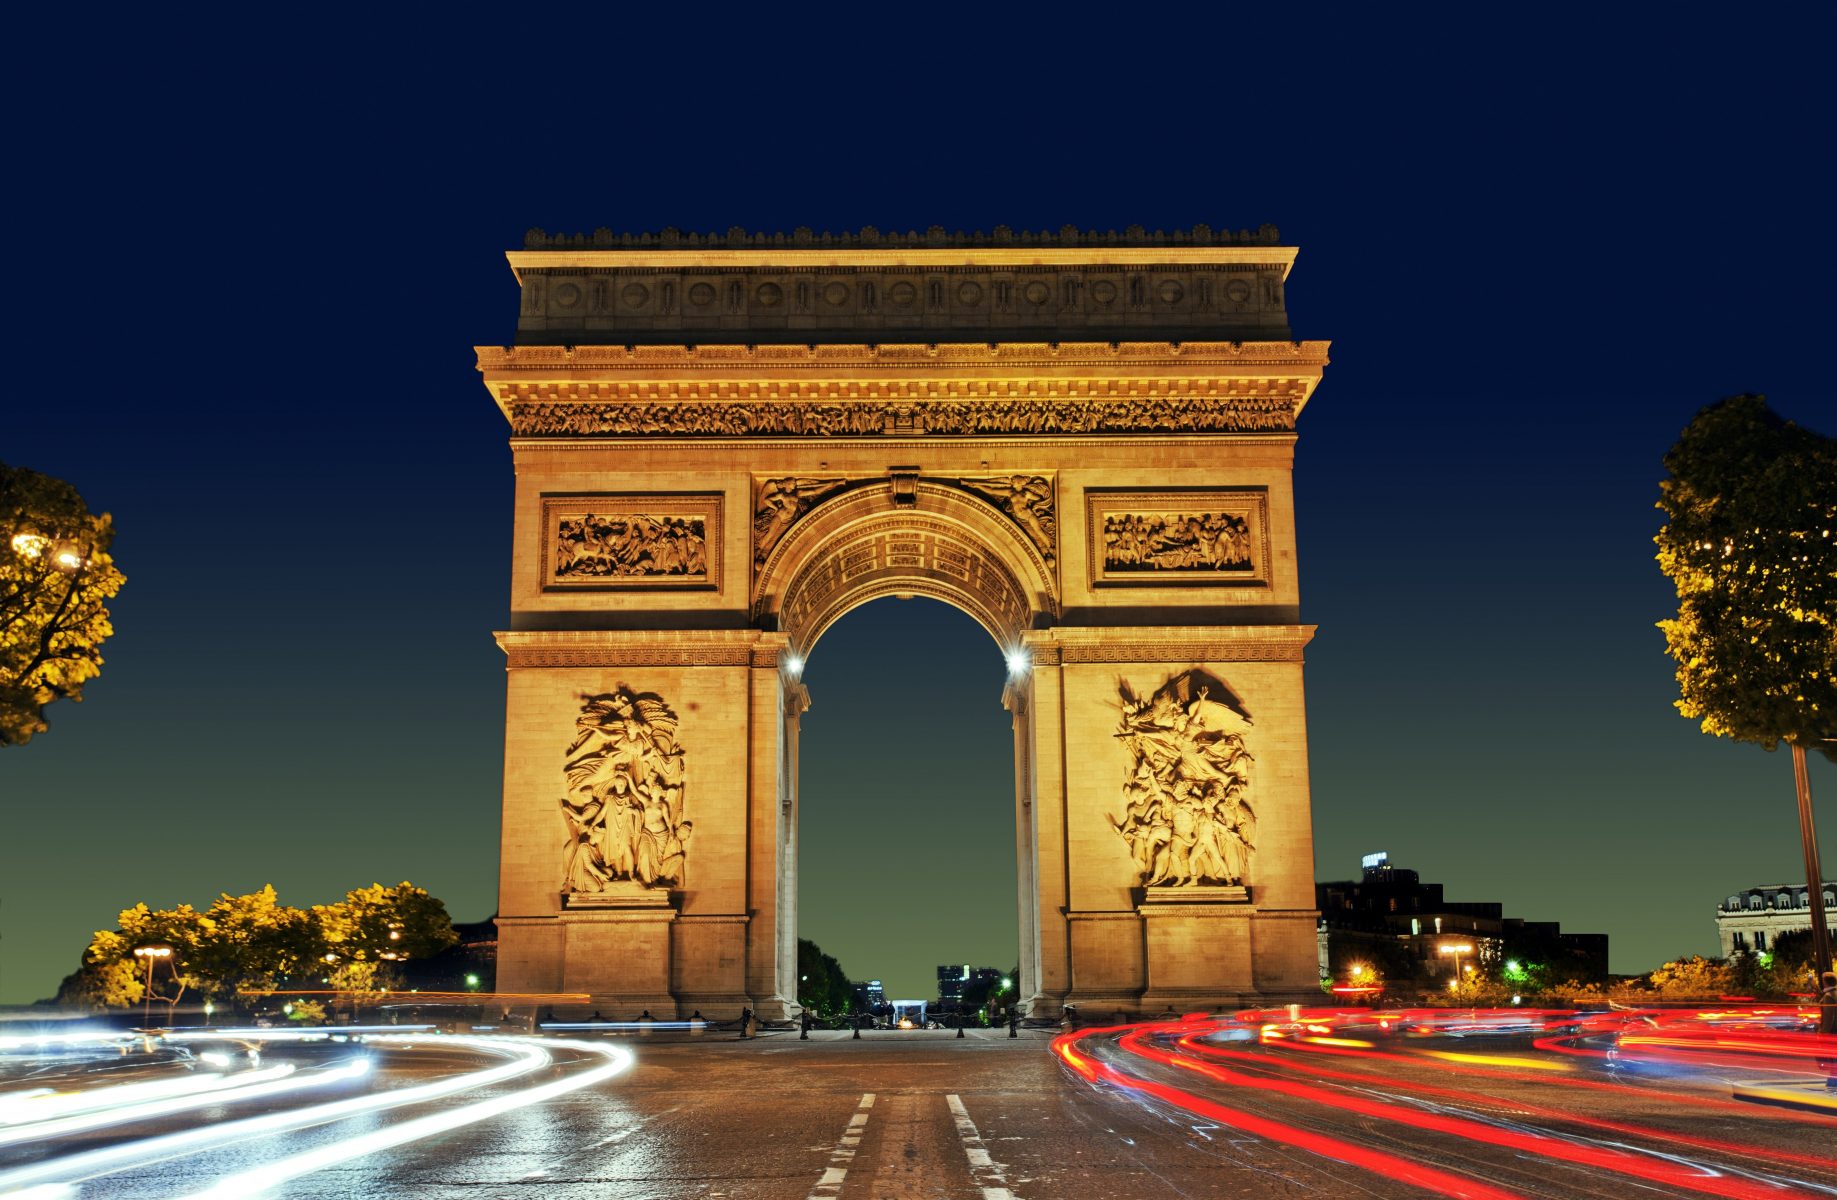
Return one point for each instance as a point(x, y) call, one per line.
point(249, 265)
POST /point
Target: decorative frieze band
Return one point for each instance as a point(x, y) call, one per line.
point(892, 418)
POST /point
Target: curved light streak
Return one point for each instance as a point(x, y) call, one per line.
point(144, 1101)
point(1390, 1166)
point(527, 1056)
point(252, 1182)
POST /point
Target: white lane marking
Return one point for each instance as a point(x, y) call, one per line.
point(843, 1153)
point(990, 1176)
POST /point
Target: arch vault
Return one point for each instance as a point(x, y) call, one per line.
point(724, 444)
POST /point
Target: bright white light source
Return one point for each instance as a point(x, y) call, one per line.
point(794, 665)
point(1018, 662)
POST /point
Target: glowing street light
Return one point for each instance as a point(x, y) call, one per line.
point(152, 953)
point(1457, 949)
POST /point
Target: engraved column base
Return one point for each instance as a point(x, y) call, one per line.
point(1198, 948)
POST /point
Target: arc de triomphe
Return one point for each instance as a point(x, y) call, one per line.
point(723, 443)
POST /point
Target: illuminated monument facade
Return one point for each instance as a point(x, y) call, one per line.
point(724, 443)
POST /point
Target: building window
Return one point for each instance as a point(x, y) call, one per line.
point(1732, 904)
point(1438, 924)
point(1760, 939)
point(1741, 941)
point(1755, 902)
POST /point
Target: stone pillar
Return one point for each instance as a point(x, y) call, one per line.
point(1039, 759)
point(769, 792)
point(796, 702)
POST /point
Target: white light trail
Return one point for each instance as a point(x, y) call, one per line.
point(253, 1182)
point(528, 1056)
point(39, 1041)
point(69, 1112)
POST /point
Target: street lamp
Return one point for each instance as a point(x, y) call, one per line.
point(1457, 949)
point(152, 954)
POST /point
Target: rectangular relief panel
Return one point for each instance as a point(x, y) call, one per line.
point(631, 540)
point(1152, 537)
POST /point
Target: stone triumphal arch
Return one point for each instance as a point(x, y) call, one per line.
point(724, 443)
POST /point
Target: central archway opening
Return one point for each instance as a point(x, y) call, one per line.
point(907, 838)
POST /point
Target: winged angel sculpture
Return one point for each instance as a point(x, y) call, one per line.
point(781, 503)
point(1186, 801)
point(1027, 499)
point(624, 805)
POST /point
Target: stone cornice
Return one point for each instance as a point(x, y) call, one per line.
point(975, 389)
point(916, 258)
point(921, 359)
point(868, 236)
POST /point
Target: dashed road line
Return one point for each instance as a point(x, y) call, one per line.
point(844, 1152)
point(989, 1175)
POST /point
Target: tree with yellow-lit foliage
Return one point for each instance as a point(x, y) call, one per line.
point(56, 577)
point(1750, 541)
point(253, 943)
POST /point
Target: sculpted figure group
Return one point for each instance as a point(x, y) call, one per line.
point(624, 805)
point(627, 544)
point(1186, 805)
point(1175, 541)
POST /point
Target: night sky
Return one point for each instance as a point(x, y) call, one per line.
point(250, 265)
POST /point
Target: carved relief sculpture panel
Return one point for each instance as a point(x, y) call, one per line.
point(632, 540)
point(1027, 500)
point(1156, 538)
point(781, 501)
point(1187, 812)
point(624, 801)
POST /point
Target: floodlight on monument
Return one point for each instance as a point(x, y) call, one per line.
point(794, 665)
point(1018, 661)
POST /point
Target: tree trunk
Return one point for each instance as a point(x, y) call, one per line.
point(1814, 889)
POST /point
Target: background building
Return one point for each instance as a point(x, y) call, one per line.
point(1754, 919)
point(870, 996)
point(1406, 930)
point(954, 979)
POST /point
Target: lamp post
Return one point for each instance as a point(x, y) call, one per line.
point(1457, 949)
point(152, 953)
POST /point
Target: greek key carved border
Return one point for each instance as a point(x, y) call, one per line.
point(518, 657)
point(1157, 652)
point(624, 648)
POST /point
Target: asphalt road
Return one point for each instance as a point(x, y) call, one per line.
point(916, 1115)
